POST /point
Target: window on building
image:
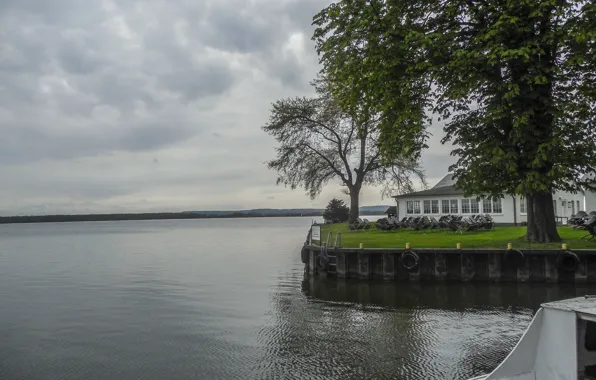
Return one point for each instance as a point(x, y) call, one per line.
point(434, 207)
point(474, 206)
point(416, 207)
point(487, 206)
point(555, 207)
point(454, 207)
point(427, 207)
point(445, 206)
point(572, 207)
point(465, 206)
point(523, 205)
point(497, 206)
point(409, 207)
point(578, 208)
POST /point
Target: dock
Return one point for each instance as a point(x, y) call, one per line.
point(465, 265)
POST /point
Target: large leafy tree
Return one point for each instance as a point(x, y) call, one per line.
point(320, 142)
point(513, 79)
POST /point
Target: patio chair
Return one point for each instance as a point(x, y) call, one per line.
point(590, 227)
point(471, 225)
point(490, 223)
point(365, 224)
point(443, 221)
point(382, 224)
point(434, 223)
point(422, 224)
point(393, 223)
point(457, 225)
point(591, 232)
point(413, 222)
point(577, 220)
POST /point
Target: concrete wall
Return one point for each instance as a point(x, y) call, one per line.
point(458, 265)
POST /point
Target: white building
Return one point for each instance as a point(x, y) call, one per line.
point(590, 194)
point(445, 199)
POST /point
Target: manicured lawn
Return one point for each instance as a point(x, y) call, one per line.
point(498, 238)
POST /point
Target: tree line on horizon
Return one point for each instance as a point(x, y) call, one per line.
point(170, 215)
point(514, 83)
point(144, 216)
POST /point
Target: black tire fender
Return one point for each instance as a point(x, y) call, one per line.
point(304, 253)
point(567, 261)
point(514, 254)
point(409, 260)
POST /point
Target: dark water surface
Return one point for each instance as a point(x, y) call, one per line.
point(228, 299)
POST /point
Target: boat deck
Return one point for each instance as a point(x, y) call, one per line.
point(585, 304)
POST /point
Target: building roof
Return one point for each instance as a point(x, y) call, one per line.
point(446, 181)
point(445, 186)
point(446, 190)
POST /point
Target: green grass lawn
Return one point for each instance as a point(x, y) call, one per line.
point(498, 238)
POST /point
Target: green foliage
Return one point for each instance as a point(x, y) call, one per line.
point(498, 238)
point(319, 142)
point(365, 53)
point(336, 211)
point(514, 81)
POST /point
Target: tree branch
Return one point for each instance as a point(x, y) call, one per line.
point(375, 160)
point(329, 162)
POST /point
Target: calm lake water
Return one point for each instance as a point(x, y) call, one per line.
point(228, 299)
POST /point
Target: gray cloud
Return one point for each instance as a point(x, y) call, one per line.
point(137, 105)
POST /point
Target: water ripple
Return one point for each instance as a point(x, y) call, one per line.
point(183, 300)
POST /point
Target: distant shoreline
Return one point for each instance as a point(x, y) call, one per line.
point(141, 216)
point(23, 219)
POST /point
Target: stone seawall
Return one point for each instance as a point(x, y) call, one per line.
point(490, 265)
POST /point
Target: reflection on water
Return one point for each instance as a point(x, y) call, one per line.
point(422, 331)
point(228, 299)
point(446, 296)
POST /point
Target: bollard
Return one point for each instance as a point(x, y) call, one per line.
point(458, 245)
point(408, 246)
point(361, 245)
point(509, 246)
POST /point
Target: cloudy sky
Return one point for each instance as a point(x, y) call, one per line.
point(124, 105)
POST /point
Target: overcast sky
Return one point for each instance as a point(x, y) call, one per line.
point(152, 105)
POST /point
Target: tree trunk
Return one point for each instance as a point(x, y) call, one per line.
point(542, 226)
point(354, 204)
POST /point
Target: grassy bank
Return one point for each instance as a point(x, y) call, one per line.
point(445, 239)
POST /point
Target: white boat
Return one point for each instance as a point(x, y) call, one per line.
point(559, 344)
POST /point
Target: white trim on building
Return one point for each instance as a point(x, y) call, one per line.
point(444, 199)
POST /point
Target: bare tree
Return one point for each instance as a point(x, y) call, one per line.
point(318, 142)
